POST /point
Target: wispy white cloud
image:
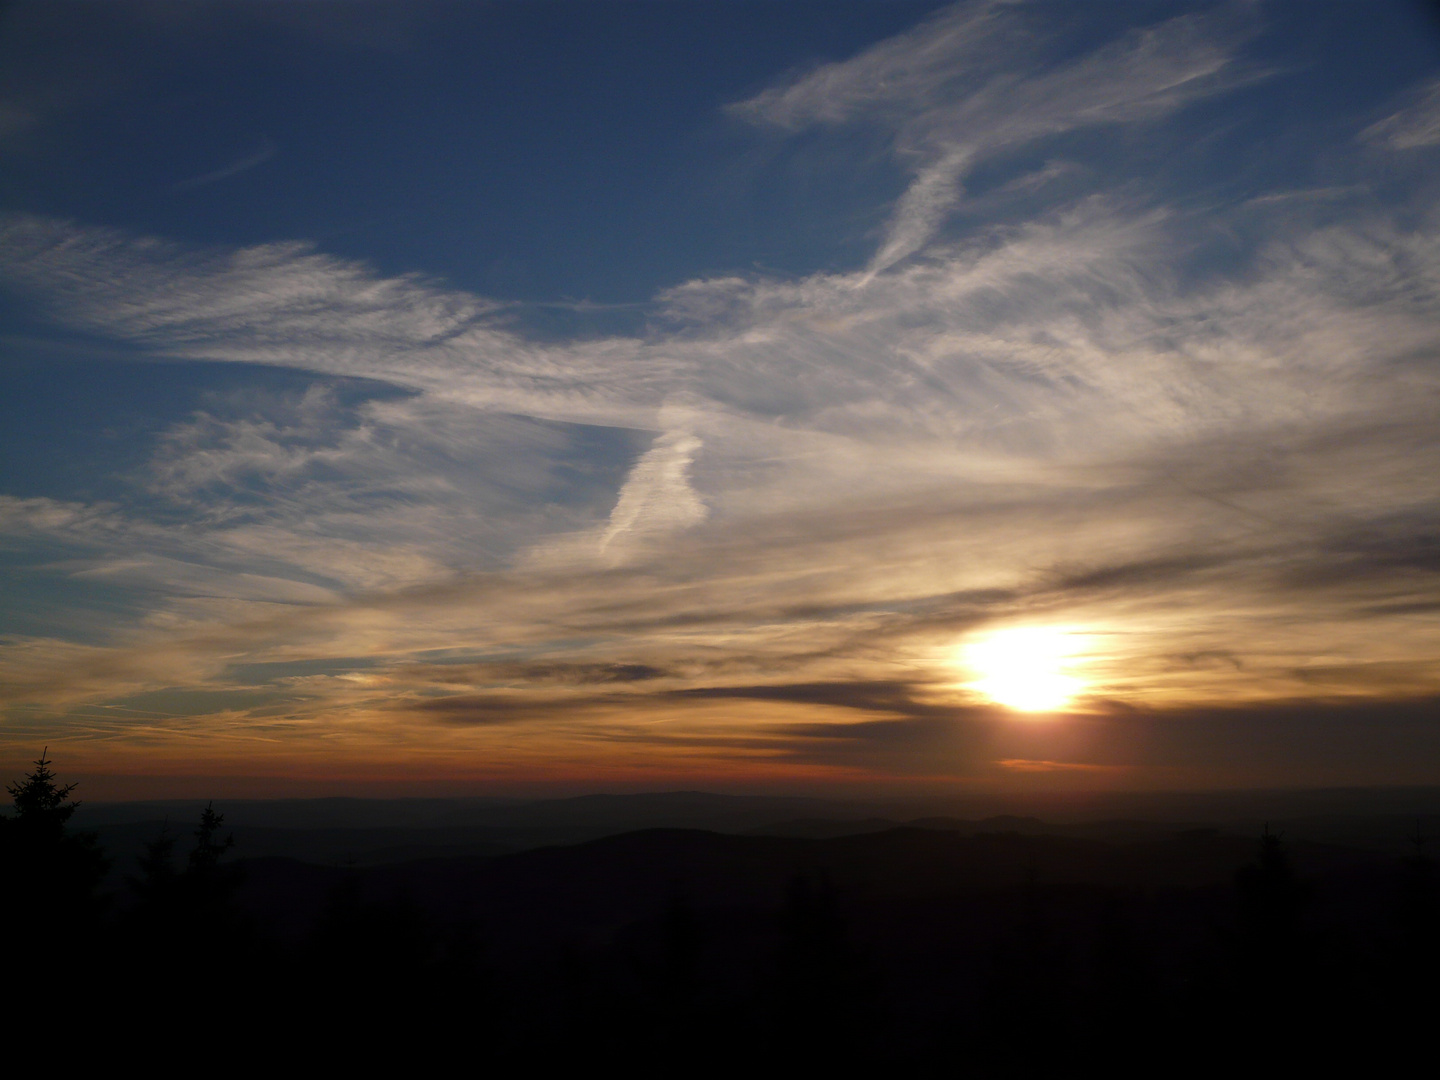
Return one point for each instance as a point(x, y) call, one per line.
point(1032, 406)
point(657, 499)
point(971, 81)
point(906, 74)
point(1076, 417)
point(1415, 125)
point(289, 305)
point(268, 149)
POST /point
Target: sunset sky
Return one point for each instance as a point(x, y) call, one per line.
point(763, 395)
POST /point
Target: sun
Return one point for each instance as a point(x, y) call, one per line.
point(1024, 668)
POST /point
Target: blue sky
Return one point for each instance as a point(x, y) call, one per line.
point(594, 395)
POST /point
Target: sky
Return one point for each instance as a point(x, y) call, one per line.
point(889, 396)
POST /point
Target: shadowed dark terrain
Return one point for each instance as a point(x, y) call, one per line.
point(348, 831)
point(769, 935)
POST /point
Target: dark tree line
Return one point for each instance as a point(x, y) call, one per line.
point(1061, 980)
point(49, 900)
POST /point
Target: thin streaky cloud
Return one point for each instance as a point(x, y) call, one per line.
point(1194, 431)
point(268, 149)
point(1414, 126)
point(951, 96)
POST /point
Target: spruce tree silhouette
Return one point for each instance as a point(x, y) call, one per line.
point(206, 855)
point(49, 878)
point(40, 804)
point(157, 881)
point(168, 900)
point(54, 871)
point(673, 985)
point(376, 974)
point(1125, 1018)
point(210, 885)
point(1026, 1011)
point(183, 926)
point(1271, 899)
point(829, 1010)
point(1274, 978)
point(1412, 990)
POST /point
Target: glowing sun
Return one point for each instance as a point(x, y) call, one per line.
point(1024, 668)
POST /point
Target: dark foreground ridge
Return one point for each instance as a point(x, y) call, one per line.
point(952, 948)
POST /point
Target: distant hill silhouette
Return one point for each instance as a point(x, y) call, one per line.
point(590, 888)
point(788, 936)
point(374, 831)
point(931, 912)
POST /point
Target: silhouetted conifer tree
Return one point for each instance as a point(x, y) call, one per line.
point(199, 896)
point(673, 982)
point(1416, 958)
point(377, 973)
point(156, 883)
point(209, 888)
point(52, 874)
point(206, 854)
point(829, 1007)
point(1124, 1010)
point(1418, 899)
point(40, 803)
point(1026, 1014)
point(1275, 989)
point(183, 928)
point(1270, 902)
point(48, 881)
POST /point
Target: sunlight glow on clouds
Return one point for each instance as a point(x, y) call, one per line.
point(731, 542)
point(1025, 668)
